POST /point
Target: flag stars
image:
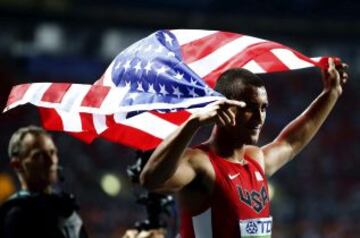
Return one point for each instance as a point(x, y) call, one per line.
point(137, 67)
point(163, 90)
point(193, 81)
point(139, 48)
point(159, 49)
point(161, 70)
point(127, 85)
point(140, 87)
point(176, 92)
point(179, 76)
point(168, 39)
point(117, 66)
point(148, 67)
point(192, 93)
point(207, 90)
point(148, 48)
point(151, 88)
point(127, 65)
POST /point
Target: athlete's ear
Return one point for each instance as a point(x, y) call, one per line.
point(15, 163)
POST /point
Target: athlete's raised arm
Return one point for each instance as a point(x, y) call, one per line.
point(170, 167)
point(297, 134)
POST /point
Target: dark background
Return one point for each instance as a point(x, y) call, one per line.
point(316, 195)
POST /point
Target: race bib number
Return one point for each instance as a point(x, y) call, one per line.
point(256, 228)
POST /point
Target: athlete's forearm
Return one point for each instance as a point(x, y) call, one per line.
point(301, 130)
point(168, 155)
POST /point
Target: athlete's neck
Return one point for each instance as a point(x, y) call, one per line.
point(221, 143)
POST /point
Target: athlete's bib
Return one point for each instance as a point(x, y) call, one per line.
point(256, 228)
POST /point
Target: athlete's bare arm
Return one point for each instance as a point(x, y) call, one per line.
point(172, 166)
point(296, 135)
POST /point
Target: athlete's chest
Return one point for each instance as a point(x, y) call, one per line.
point(242, 188)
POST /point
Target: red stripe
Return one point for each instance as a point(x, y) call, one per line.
point(176, 118)
point(243, 57)
point(51, 120)
point(270, 63)
point(200, 48)
point(87, 122)
point(95, 96)
point(88, 134)
point(55, 92)
point(131, 137)
point(17, 93)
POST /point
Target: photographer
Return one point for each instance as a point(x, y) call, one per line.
point(36, 210)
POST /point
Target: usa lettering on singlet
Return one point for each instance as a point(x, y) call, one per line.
point(238, 207)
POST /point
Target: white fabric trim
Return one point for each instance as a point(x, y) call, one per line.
point(202, 224)
point(151, 124)
point(209, 63)
point(186, 36)
point(289, 59)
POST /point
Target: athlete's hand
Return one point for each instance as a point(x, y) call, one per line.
point(221, 112)
point(335, 76)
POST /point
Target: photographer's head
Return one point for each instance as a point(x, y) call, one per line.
point(33, 155)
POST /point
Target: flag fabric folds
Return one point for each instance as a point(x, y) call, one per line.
point(154, 85)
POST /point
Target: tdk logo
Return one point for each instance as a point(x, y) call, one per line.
point(251, 228)
point(261, 227)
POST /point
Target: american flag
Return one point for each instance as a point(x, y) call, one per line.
point(154, 85)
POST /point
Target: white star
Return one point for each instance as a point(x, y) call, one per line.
point(177, 92)
point(161, 70)
point(118, 65)
point(140, 87)
point(137, 67)
point(207, 89)
point(148, 67)
point(163, 90)
point(192, 81)
point(139, 48)
point(179, 76)
point(159, 49)
point(192, 92)
point(128, 85)
point(171, 54)
point(151, 88)
point(147, 49)
point(127, 65)
point(168, 39)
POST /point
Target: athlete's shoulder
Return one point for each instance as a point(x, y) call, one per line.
point(255, 153)
point(198, 158)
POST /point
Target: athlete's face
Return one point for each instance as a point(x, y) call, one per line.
point(39, 164)
point(249, 120)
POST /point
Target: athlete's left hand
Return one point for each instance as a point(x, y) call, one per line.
point(335, 76)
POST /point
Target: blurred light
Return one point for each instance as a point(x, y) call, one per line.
point(7, 187)
point(111, 43)
point(49, 38)
point(111, 184)
point(271, 191)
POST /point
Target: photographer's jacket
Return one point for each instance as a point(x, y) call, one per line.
point(40, 215)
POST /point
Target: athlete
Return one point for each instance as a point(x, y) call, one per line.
point(222, 184)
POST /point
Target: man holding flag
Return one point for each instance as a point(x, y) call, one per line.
point(222, 184)
point(150, 97)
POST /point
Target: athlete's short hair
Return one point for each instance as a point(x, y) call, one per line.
point(16, 148)
point(232, 82)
